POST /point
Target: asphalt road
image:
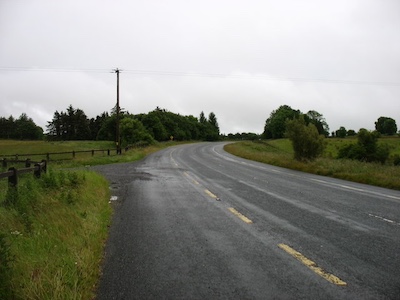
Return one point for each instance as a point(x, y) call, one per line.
point(194, 222)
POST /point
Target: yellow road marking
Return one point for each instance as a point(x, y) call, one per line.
point(191, 178)
point(312, 265)
point(240, 216)
point(211, 194)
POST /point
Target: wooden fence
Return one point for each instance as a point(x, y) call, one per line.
point(50, 155)
point(12, 173)
point(39, 167)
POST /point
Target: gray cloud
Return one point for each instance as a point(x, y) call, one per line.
point(254, 44)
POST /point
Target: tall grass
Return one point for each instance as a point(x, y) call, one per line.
point(280, 153)
point(51, 236)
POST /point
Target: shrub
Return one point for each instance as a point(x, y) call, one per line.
point(307, 143)
point(366, 148)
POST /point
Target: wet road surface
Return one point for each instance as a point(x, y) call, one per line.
point(194, 222)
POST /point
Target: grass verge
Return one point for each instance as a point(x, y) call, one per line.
point(52, 233)
point(280, 153)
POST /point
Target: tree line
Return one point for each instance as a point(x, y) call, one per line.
point(307, 132)
point(22, 128)
point(275, 125)
point(73, 124)
point(157, 125)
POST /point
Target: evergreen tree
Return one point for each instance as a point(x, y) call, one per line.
point(70, 125)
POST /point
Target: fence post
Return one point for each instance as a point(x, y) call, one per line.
point(13, 179)
point(92, 152)
point(108, 152)
point(27, 163)
point(4, 162)
point(48, 156)
point(44, 167)
point(37, 172)
point(73, 154)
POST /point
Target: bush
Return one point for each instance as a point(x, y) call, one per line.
point(307, 143)
point(133, 131)
point(352, 151)
point(366, 148)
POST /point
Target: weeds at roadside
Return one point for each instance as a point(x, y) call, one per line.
point(368, 173)
point(57, 225)
point(6, 269)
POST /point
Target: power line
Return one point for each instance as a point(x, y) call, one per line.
point(58, 70)
point(207, 75)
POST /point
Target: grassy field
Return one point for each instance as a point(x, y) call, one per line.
point(280, 153)
point(23, 148)
point(53, 229)
point(12, 147)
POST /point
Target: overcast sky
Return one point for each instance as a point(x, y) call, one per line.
point(238, 59)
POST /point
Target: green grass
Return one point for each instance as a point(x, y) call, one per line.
point(53, 230)
point(280, 153)
point(12, 147)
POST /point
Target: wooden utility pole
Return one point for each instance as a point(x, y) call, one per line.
point(118, 135)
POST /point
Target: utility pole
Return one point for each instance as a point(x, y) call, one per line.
point(118, 135)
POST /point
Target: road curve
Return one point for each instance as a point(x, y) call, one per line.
point(194, 222)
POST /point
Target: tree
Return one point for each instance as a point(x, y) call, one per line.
point(133, 131)
point(23, 128)
point(108, 129)
point(249, 136)
point(341, 132)
point(70, 125)
point(153, 124)
point(202, 119)
point(351, 132)
point(96, 124)
point(193, 126)
point(7, 128)
point(54, 128)
point(26, 129)
point(386, 125)
point(307, 143)
point(208, 129)
point(213, 128)
point(82, 125)
point(275, 125)
point(319, 121)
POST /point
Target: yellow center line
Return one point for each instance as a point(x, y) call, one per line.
point(312, 265)
point(240, 216)
point(191, 178)
point(210, 194)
